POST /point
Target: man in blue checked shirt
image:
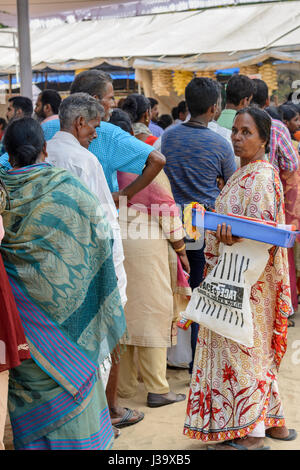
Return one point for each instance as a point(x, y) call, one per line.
point(115, 149)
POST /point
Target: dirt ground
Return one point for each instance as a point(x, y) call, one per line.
point(161, 429)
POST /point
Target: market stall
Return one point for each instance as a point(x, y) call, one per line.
point(167, 49)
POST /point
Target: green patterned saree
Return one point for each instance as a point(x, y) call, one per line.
point(57, 252)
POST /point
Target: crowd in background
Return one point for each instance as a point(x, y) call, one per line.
point(82, 292)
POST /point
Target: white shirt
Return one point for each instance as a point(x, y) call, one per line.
point(65, 151)
point(226, 133)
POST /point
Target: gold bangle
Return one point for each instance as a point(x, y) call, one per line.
point(180, 249)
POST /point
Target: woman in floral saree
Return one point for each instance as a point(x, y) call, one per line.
point(234, 393)
point(57, 252)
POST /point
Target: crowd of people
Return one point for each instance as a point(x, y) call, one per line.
point(96, 265)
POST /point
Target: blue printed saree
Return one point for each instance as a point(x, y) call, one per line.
point(57, 252)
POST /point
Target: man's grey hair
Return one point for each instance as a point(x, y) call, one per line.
point(79, 105)
point(93, 81)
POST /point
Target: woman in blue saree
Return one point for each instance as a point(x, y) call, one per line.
point(57, 252)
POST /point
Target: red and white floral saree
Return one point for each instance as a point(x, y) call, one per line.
point(234, 388)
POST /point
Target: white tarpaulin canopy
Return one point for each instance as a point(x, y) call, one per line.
point(81, 9)
point(193, 40)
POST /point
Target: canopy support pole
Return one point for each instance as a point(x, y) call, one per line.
point(24, 48)
point(9, 85)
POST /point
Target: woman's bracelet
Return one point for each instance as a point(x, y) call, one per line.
point(181, 248)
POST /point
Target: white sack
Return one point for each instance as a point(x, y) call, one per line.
point(222, 302)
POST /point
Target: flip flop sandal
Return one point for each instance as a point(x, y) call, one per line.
point(238, 446)
point(126, 419)
point(291, 437)
point(154, 401)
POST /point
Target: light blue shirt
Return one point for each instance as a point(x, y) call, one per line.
point(115, 149)
point(118, 150)
point(4, 161)
point(50, 128)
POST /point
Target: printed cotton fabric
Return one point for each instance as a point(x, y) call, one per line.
point(233, 388)
point(57, 252)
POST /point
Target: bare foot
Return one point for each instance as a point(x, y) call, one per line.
point(280, 433)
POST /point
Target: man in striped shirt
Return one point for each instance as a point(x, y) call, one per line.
point(283, 155)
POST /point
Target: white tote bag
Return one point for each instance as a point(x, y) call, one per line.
point(181, 354)
point(222, 302)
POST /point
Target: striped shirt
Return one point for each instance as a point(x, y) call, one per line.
point(283, 155)
point(155, 130)
point(196, 156)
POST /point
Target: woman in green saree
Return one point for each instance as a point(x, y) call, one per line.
point(57, 252)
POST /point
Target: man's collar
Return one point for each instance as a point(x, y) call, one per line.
point(50, 118)
point(67, 137)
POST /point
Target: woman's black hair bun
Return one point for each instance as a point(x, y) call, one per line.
point(131, 107)
point(26, 151)
point(26, 154)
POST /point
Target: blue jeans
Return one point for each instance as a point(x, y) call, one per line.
point(197, 263)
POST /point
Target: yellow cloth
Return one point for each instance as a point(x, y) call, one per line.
point(152, 365)
point(151, 269)
point(149, 308)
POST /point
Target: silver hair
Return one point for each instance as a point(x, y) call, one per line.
point(79, 105)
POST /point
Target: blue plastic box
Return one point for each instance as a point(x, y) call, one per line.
point(246, 228)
